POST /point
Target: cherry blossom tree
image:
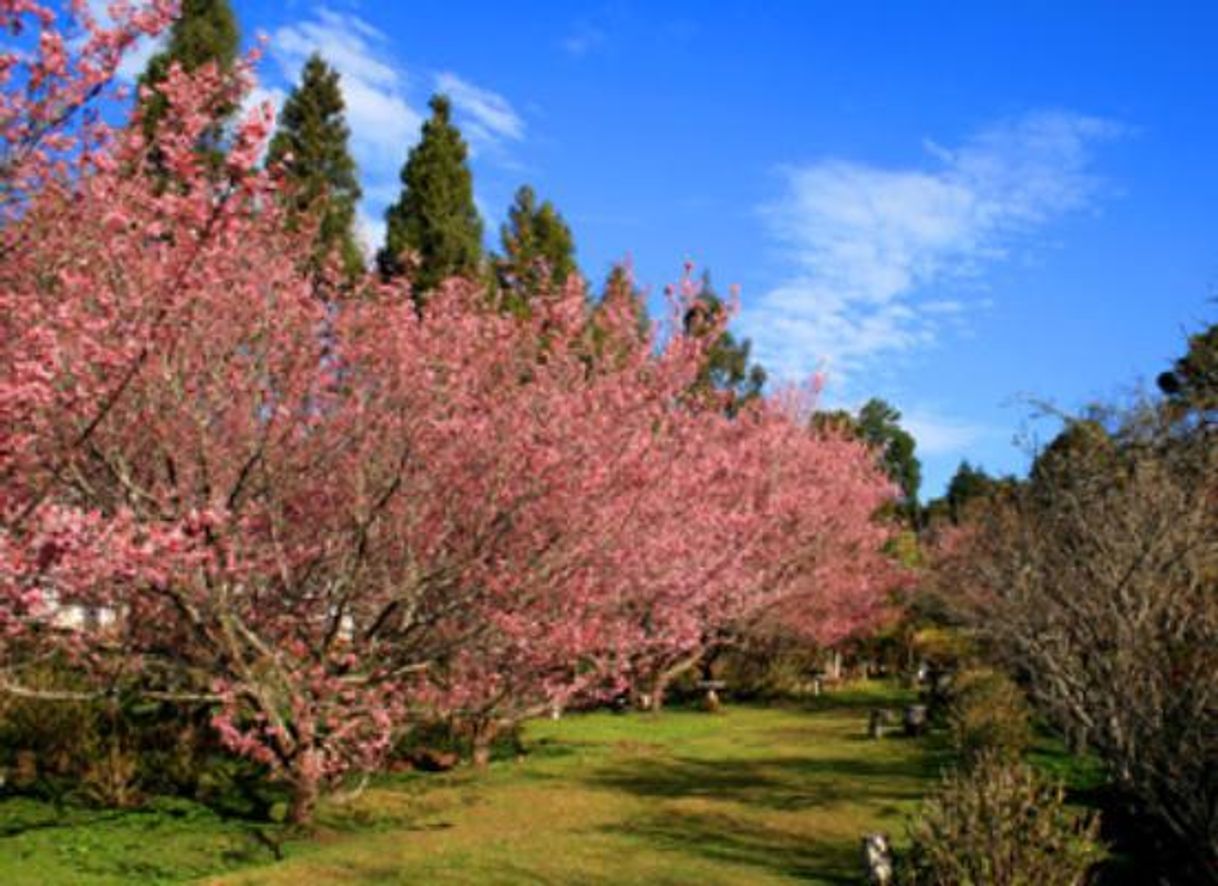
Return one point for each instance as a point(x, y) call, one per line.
point(327, 518)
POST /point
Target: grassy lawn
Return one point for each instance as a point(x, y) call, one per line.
point(752, 795)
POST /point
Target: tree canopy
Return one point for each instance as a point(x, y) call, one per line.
point(727, 368)
point(310, 147)
point(434, 231)
point(538, 250)
point(204, 32)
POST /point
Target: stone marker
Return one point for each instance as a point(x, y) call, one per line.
point(877, 859)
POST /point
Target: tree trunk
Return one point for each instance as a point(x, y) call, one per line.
point(711, 700)
point(654, 700)
point(834, 669)
point(305, 793)
point(484, 734)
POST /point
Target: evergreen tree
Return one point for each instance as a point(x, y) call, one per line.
point(879, 425)
point(538, 250)
point(1192, 384)
point(727, 368)
point(837, 421)
point(607, 342)
point(204, 31)
point(969, 488)
point(311, 146)
point(435, 220)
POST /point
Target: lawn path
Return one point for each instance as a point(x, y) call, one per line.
point(753, 795)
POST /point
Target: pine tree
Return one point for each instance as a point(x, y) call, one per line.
point(435, 222)
point(879, 425)
point(311, 147)
point(204, 31)
point(727, 368)
point(538, 250)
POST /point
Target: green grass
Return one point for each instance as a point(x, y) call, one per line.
point(754, 795)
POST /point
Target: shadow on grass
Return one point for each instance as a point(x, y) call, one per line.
point(780, 783)
point(725, 839)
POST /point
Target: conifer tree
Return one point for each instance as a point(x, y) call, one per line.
point(538, 250)
point(879, 425)
point(727, 368)
point(434, 223)
point(311, 148)
point(204, 31)
point(1192, 384)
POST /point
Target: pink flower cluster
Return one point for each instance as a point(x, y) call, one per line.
point(335, 516)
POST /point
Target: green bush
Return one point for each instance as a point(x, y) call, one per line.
point(998, 823)
point(768, 667)
point(48, 745)
point(988, 715)
point(117, 752)
point(444, 737)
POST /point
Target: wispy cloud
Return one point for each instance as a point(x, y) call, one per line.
point(939, 435)
point(486, 117)
point(866, 244)
point(582, 39)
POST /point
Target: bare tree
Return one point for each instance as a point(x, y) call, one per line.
point(1098, 583)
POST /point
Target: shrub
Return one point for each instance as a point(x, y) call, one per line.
point(47, 743)
point(770, 666)
point(989, 714)
point(998, 823)
point(116, 751)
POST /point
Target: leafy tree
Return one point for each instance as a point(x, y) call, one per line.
point(292, 530)
point(835, 420)
point(538, 250)
point(1192, 384)
point(879, 425)
point(311, 148)
point(967, 484)
point(205, 31)
point(1084, 441)
point(727, 369)
point(434, 225)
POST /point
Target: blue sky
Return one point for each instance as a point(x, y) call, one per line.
point(957, 207)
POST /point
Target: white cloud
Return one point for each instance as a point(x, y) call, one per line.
point(939, 435)
point(136, 59)
point(582, 40)
point(866, 243)
point(488, 118)
point(369, 232)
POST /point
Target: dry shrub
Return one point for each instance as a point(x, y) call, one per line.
point(998, 823)
point(989, 714)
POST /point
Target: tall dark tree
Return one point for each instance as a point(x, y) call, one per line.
point(538, 250)
point(727, 369)
point(310, 146)
point(969, 489)
point(204, 31)
point(1192, 384)
point(879, 424)
point(434, 230)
